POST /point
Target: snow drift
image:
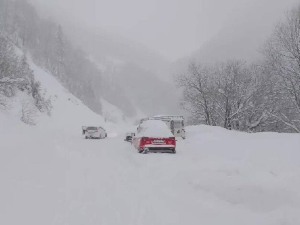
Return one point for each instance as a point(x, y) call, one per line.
point(216, 177)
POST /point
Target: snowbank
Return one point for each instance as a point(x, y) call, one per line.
point(216, 177)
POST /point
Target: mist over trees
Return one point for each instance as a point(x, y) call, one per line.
point(48, 48)
point(81, 70)
point(259, 97)
point(282, 58)
point(131, 69)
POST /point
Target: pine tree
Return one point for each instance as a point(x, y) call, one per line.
point(60, 53)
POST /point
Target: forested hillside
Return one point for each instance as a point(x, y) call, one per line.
point(16, 76)
point(128, 66)
point(45, 42)
point(91, 66)
point(263, 95)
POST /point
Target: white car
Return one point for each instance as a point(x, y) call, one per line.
point(94, 132)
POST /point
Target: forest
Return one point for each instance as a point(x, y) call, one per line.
point(253, 97)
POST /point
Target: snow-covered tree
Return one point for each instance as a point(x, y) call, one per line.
point(15, 74)
point(231, 94)
point(282, 56)
point(197, 93)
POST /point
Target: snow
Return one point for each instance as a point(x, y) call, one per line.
point(108, 63)
point(216, 177)
point(114, 114)
point(51, 175)
point(154, 128)
point(69, 114)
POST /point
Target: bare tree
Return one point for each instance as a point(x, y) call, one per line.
point(197, 93)
point(282, 53)
point(240, 95)
point(230, 94)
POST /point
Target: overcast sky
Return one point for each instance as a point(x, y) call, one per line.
point(174, 28)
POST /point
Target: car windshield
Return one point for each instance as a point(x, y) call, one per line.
point(92, 128)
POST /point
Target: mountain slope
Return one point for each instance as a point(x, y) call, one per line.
point(125, 67)
point(68, 113)
point(132, 67)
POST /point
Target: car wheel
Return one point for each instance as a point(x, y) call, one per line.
point(174, 152)
point(86, 137)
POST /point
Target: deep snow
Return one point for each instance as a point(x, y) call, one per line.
point(51, 175)
point(216, 177)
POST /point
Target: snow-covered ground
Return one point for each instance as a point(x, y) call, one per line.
point(216, 177)
point(51, 175)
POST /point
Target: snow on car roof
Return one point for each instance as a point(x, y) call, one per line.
point(154, 128)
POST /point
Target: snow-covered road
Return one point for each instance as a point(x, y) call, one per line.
point(216, 177)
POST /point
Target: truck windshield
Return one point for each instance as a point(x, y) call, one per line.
point(177, 124)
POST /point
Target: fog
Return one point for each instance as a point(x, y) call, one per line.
point(134, 42)
point(173, 28)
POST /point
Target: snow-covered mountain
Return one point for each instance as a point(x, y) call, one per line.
point(67, 111)
point(132, 67)
point(125, 66)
